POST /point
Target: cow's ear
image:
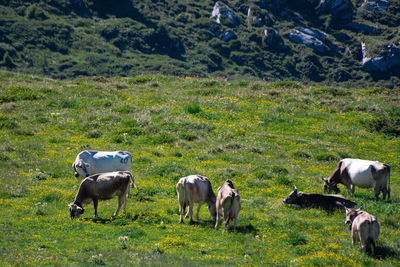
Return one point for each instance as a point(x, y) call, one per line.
point(325, 180)
point(219, 188)
point(294, 188)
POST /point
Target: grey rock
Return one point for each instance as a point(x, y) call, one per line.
point(383, 62)
point(361, 27)
point(228, 35)
point(300, 37)
point(272, 37)
point(379, 5)
point(222, 11)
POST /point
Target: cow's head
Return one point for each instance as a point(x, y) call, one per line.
point(212, 209)
point(351, 214)
point(330, 186)
point(81, 168)
point(293, 196)
point(75, 210)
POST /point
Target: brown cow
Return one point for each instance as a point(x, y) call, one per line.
point(228, 202)
point(101, 187)
point(362, 173)
point(195, 189)
point(364, 228)
point(327, 202)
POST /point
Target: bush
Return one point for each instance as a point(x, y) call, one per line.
point(193, 108)
point(386, 125)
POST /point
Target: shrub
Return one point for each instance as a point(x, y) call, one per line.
point(193, 108)
point(386, 125)
point(139, 80)
point(7, 123)
point(325, 157)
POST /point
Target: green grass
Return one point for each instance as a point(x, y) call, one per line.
point(265, 137)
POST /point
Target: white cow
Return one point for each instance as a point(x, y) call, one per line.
point(364, 228)
point(228, 203)
point(362, 173)
point(91, 162)
point(195, 189)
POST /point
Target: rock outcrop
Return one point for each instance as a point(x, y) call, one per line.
point(223, 14)
point(314, 39)
point(382, 63)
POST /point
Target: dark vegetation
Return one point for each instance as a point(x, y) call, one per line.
point(65, 39)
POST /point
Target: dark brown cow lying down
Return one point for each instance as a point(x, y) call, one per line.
point(328, 202)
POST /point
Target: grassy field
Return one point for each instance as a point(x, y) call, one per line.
point(266, 137)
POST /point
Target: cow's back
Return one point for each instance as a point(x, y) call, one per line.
point(360, 171)
point(194, 186)
point(104, 161)
point(367, 226)
point(107, 185)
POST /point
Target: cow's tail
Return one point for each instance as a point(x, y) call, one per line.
point(180, 190)
point(388, 179)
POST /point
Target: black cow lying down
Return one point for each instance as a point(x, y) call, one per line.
point(328, 202)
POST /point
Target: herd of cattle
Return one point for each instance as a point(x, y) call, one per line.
point(107, 175)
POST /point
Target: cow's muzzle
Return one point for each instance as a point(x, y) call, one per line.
point(76, 174)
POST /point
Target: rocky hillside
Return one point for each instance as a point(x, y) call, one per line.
point(351, 42)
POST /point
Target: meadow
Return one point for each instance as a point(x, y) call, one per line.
point(264, 136)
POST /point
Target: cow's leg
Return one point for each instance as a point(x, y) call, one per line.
point(190, 212)
point(226, 220)
point(353, 237)
point(372, 248)
point(351, 189)
point(217, 219)
point(120, 202)
point(95, 203)
point(198, 210)
point(234, 223)
point(377, 191)
point(182, 208)
point(125, 200)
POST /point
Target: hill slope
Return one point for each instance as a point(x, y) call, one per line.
point(304, 40)
point(266, 137)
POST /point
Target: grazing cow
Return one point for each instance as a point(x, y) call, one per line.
point(328, 202)
point(228, 202)
point(195, 189)
point(362, 173)
point(91, 162)
point(364, 228)
point(101, 187)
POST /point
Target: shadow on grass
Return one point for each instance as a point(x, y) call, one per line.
point(242, 229)
point(383, 252)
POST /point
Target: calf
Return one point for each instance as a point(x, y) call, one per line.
point(195, 189)
point(362, 173)
point(364, 228)
point(328, 202)
point(228, 201)
point(101, 187)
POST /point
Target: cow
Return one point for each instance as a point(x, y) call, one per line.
point(364, 228)
point(362, 173)
point(101, 187)
point(91, 162)
point(195, 189)
point(228, 202)
point(327, 202)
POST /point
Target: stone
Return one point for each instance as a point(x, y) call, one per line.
point(221, 11)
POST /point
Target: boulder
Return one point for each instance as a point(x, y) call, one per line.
point(272, 37)
point(223, 14)
point(342, 9)
point(363, 28)
point(228, 35)
point(308, 40)
point(375, 5)
point(382, 63)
